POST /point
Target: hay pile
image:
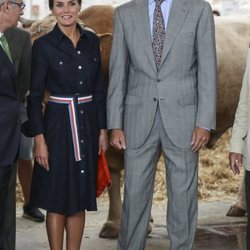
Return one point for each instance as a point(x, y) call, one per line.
point(216, 181)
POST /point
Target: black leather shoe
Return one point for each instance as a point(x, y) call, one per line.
point(32, 213)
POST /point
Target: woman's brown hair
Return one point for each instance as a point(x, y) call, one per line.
point(51, 3)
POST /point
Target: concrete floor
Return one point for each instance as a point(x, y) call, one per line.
point(215, 230)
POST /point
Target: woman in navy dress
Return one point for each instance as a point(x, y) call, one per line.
point(72, 130)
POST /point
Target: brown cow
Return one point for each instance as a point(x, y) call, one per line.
point(232, 39)
point(232, 42)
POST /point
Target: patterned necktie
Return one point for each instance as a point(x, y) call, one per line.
point(5, 46)
point(158, 32)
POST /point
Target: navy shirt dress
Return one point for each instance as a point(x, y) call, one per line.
point(71, 122)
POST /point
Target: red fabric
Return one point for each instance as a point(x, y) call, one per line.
point(103, 175)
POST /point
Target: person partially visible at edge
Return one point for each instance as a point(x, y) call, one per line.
point(15, 46)
point(240, 141)
point(72, 131)
point(161, 98)
point(20, 49)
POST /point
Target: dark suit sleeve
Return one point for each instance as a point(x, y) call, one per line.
point(39, 69)
point(99, 95)
point(24, 68)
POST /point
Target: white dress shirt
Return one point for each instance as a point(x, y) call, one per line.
point(1, 33)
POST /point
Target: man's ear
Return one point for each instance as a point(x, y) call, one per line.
point(4, 7)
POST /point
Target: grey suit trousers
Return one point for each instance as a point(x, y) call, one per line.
point(182, 181)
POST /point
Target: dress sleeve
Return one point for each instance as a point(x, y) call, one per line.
point(99, 94)
point(39, 69)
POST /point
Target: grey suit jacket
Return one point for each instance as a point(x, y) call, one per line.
point(184, 88)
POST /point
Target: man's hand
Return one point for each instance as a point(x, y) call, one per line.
point(235, 161)
point(117, 139)
point(200, 138)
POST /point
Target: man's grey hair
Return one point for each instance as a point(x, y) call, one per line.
point(2, 1)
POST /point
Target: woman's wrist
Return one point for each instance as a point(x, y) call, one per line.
point(39, 138)
point(103, 131)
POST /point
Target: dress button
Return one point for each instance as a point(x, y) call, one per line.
point(79, 67)
point(82, 156)
point(61, 63)
point(82, 141)
point(82, 171)
point(78, 52)
point(81, 82)
point(81, 111)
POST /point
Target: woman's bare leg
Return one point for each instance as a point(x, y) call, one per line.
point(55, 224)
point(74, 228)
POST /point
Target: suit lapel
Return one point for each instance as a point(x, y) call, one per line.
point(13, 49)
point(6, 61)
point(142, 24)
point(176, 19)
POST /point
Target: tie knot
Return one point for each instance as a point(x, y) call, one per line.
point(158, 2)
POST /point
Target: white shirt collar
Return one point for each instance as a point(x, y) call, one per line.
point(1, 33)
point(151, 1)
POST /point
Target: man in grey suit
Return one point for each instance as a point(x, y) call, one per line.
point(161, 97)
point(15, 49)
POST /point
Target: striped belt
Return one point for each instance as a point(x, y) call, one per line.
point(72, 102)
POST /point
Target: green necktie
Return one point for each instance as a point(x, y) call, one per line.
point(5, 46)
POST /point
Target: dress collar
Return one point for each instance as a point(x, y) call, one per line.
point(58, 35)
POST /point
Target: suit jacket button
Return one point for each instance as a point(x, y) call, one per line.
point(155, 99)
point(158, 80)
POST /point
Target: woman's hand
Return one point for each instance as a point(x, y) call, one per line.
point(103, 141)
point(41, 151)
point(235, 161)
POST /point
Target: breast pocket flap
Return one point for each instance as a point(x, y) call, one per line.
point(132, 100)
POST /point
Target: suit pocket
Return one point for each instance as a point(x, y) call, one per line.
point(132, 100)
point(187, 100)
